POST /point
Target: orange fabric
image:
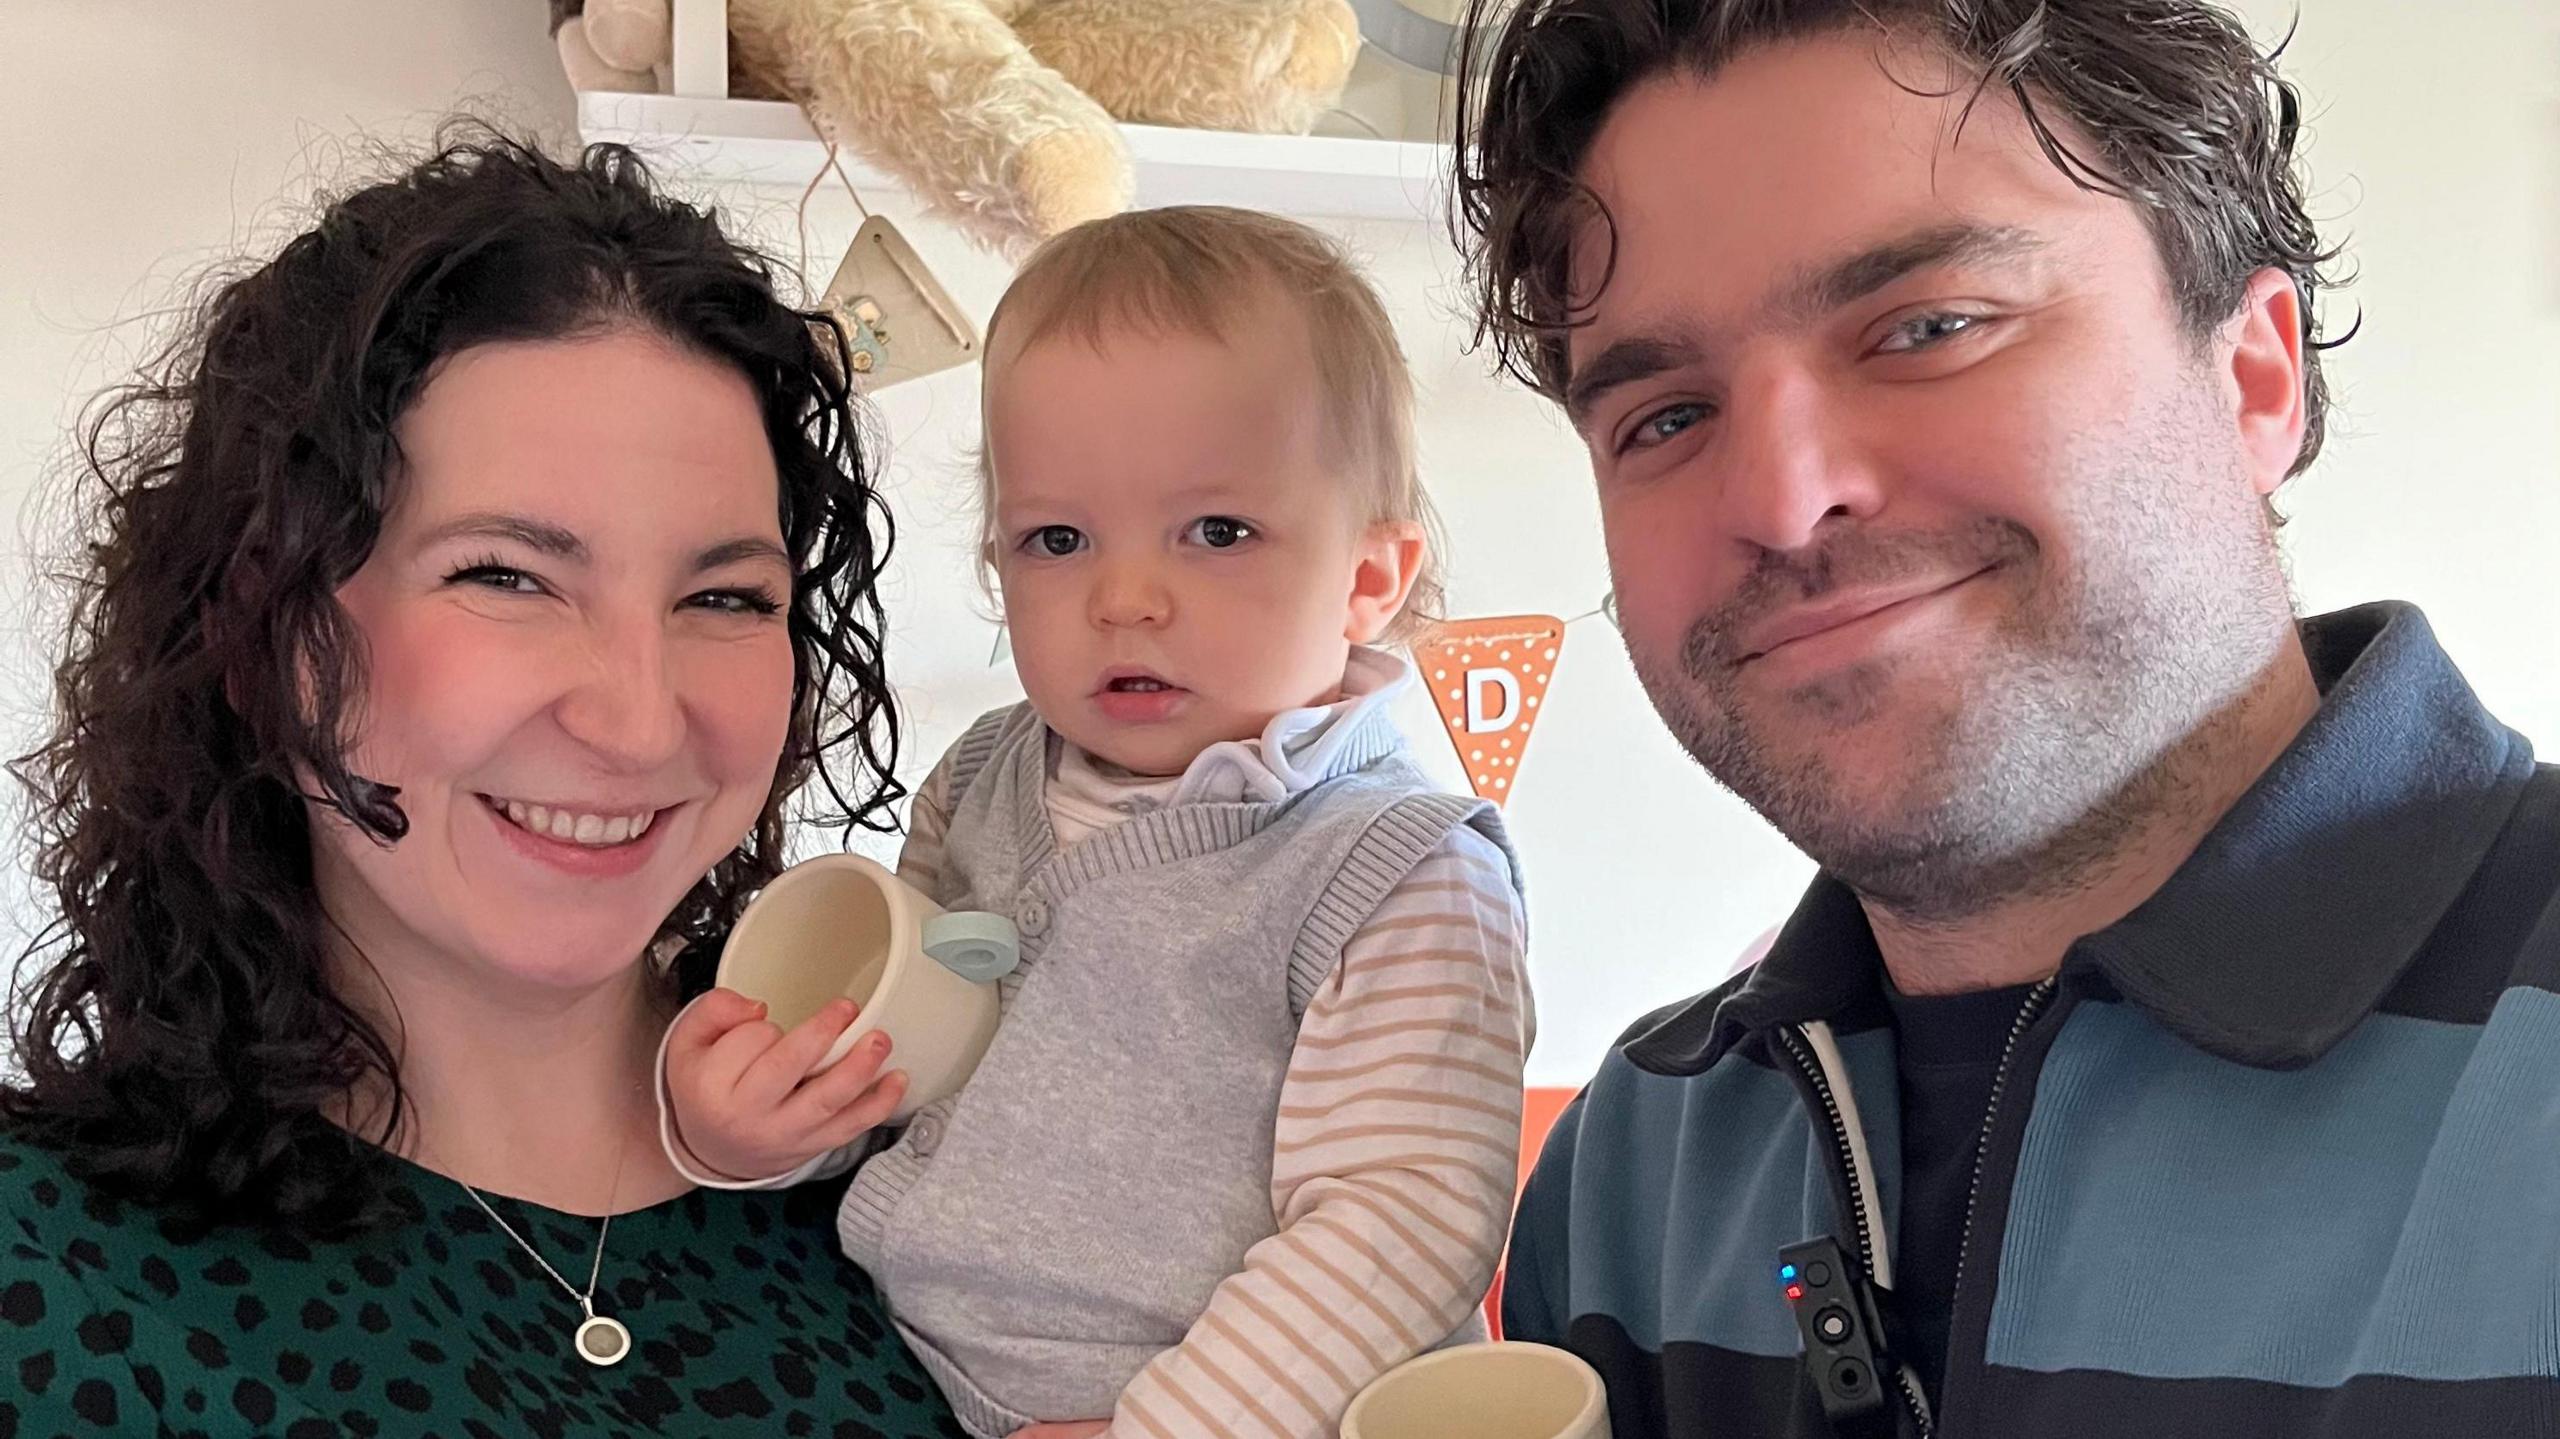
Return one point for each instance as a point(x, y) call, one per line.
point(1536, 1118)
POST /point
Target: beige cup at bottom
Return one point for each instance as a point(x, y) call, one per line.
point(1483, 1391)
point(842, 925)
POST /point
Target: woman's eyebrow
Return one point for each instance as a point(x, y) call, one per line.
point(744, 548)
point(538, 535)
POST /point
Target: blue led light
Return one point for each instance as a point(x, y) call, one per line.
point(1787, 1272)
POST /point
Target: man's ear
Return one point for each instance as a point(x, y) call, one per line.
point(2265, 377)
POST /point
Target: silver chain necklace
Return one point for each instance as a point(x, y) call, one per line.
point(600, 1340)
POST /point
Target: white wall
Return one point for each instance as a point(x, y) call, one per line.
point(141, 142)
point(144, 137)
point(2436, 155)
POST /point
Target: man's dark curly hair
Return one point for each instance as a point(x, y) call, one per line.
point(2181, 114)
point(180, 1040)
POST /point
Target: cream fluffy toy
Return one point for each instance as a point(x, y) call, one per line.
point(999, 113)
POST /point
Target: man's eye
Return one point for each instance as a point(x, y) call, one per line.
point(1663, 424)
point(1923, 331)
point(1221, 532)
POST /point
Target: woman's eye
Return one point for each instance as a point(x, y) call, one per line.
point(1054, 541)
point(749, 601)
point(496, 577)
point(1221, 532)
point(1922, 331)
point(1664, 424)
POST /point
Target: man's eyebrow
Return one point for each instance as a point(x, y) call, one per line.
point(1819, 292)
point(1799, 301)
point(1624, 362)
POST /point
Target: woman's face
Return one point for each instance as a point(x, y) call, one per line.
point(578, 671)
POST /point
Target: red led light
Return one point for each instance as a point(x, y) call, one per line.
point(1795, 1291)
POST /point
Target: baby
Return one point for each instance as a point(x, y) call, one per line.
point(1247, 1135)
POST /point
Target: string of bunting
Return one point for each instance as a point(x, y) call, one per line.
point(1489, 678)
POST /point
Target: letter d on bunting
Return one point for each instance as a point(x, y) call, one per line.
point(1489, 677)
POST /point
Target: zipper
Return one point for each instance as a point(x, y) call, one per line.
point(2034, 1005)
point(1843, 1147)
point(1799, 1047)
point(1916, 1401)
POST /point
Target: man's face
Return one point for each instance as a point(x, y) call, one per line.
point(1933, 527)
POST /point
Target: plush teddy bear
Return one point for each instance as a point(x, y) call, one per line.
point(999, 113)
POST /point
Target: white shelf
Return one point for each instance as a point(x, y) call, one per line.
point(1311, 176)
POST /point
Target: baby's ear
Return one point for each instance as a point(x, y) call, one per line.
point(1389, 558)
point(991, 583)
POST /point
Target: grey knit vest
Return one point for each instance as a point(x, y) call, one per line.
point(1046, 1232)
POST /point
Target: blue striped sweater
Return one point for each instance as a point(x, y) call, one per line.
point(2276, 1155)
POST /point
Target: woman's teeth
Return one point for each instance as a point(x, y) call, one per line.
point(595, 831)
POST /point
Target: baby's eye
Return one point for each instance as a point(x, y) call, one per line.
point(1054, 541)
point(1221, 532)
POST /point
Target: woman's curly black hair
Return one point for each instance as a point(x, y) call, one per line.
point(180, 1041)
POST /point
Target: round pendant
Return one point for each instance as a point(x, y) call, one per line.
point(603, 1341)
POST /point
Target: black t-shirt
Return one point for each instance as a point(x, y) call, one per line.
point(1947, 1049)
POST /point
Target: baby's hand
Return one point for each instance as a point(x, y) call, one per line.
point(745, 1102)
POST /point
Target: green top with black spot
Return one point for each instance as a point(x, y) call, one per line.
point(744, 1320)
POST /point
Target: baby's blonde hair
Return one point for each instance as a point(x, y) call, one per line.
point(1208, 270)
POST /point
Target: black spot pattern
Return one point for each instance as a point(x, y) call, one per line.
point(95, 1401)
point(744, 1322)
point(160, 1275)
point(107, 1333)
point(254, 1401)
point(22, 1304)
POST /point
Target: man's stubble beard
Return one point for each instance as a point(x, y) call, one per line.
point(2101, 701)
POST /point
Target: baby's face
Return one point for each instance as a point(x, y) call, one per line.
point(1179, 561)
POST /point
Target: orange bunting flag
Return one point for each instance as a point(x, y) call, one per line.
point(1489, 678)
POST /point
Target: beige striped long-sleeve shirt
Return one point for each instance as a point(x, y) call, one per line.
point(1393, 1159)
